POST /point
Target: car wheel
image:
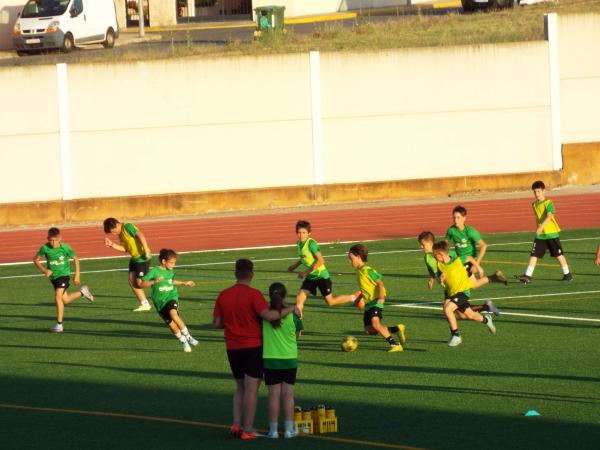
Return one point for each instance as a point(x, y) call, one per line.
point(468, 5)
point(68, 43)
point(503, 3)
point(109, 42)
point(22, 53)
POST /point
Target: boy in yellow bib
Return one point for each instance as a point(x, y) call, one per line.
point(458, 289)
point(546, 234)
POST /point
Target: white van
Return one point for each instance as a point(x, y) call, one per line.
point(64, 24)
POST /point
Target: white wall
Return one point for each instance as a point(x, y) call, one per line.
point(298, 8)
point(201, 124)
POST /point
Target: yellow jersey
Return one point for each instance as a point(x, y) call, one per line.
point(131, 242)
point(367, 282)
point(541, 210)
point(456, 277)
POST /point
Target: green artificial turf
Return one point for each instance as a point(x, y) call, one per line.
point(112, 360)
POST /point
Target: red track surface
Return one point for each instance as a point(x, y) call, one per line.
point(488, 216)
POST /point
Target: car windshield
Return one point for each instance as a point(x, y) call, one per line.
point(44, 8)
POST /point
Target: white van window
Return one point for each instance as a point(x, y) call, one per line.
point(44, 8)
point(77, 7)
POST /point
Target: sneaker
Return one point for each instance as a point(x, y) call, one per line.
point(192, 341)
point(359, 302)
point(248, 436)
point(567, 277)
point(523, 278)
point(402, 333)
point(143, 307)
point(501, 278)
point(58, 328)
point(490, 325)
point(274, 435)
point(395, 348)
point(454, 341)
point(490, 304)
point(290, 434)
point(186, 347)
point(235, 431)
point(85, 291)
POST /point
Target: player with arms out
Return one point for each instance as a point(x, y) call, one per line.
point(165, 297)
point(466, 239)
point(58, 270)
point(132, 241)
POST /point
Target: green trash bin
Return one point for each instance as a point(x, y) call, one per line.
point(269, 18)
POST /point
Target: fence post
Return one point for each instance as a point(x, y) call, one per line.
point(317, 125)
point(551, 34)
point(64, 131)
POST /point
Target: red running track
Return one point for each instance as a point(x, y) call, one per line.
point(390, 222)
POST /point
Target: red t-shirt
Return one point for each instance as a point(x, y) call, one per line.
point(239, 307)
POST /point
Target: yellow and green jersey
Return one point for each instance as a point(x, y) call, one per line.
point(131, 242)
point(367, 283)
point(306, 252)
point(57, 259)
point(163, 291)
point(280, 350)
point(456, 278)
point(465, 241)
point(541, 210)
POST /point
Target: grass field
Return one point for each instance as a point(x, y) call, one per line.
point(117, 379)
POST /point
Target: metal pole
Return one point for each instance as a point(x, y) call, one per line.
point(141, 17)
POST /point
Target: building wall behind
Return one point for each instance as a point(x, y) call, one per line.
point(9, 9)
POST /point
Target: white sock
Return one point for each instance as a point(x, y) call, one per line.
point(185, 332)
point(272, 427)
point(565, 269)
point(181, 337)
point(529, 270)
point(145, 302)
point(290, 426)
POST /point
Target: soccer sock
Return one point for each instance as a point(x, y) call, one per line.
point(390, 340)
point(529, 270)
point(58, 323)
point(185, 332)
point(454, 332)
point(485, 320)
point(145, 302)
point(181, 337)
point(290, 426)
point(272, 427)
point(565, 269)
point(393, 329)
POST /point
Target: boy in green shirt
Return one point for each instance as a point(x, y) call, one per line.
point(58, 270)
point(165, 297)
point(280, 361)
point(465, 238)
point(314, 273)
point(546, 234)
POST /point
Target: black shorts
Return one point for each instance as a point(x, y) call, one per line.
point(370, 313)
point(164, 312)
point(324, 285)
point(246, 361)
point(140, 268)
point(461, 300)
point(61, 283)
point(278, 376)
point(541, 245)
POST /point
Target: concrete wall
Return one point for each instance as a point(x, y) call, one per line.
point(297, 8)
point(9, 9)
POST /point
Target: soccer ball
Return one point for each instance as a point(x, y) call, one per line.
point(349, 344)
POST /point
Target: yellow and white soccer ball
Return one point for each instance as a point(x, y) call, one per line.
point(349, 344)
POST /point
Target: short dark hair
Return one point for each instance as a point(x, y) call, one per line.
point(460, 209)
point(110, 224)
point(303, 224)
point(539, 184)
point(277, 294)
point(426, 236)
point(53, 232)
point(166, 254)
point(441, 246)
point(244, 268)
point(360, 250)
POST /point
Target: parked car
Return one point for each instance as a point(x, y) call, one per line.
point(65, 24)
point(473, 5)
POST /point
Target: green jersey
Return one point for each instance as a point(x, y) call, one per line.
point(432, 267)
point(280, 350)
point(306, 252)
point(163, 291)
point(465, 241)
point(57, 259)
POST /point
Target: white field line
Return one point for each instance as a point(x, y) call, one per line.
point(255, 260)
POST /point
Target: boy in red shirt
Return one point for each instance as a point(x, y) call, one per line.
point(239, 310)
